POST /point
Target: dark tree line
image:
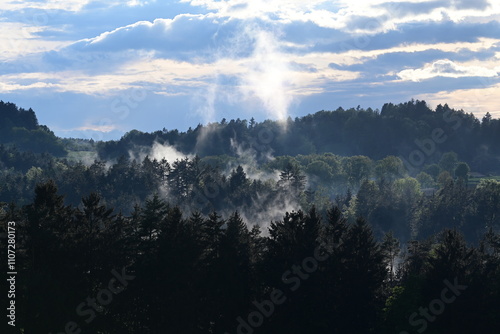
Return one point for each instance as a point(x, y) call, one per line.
point(335, 234)
point(199, 273)
point(189, 183)
point(20, 127)
point(396, 130)
point(382, 191)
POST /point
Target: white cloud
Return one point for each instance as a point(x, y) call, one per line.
point(184, 33)
point(68, 5)
point(265, 56)
point(97, 127)
point(477, 100)
point(362, 16)
point(159, 152)
point(133, 3)
point(264, 76)
point(20, 39)
point(281, 9)
point(268, 76)
point(445, 68)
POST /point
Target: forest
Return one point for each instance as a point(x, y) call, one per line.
point(345, 221)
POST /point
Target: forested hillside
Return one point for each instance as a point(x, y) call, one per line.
point(346, 221)
point(405, 168)
point(19, 127)
point(396, 130)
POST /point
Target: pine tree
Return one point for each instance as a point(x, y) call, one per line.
point(235, 276)
point(391, 250)
point(360, 280)
point(151, 217)
point(291, 178)
point(47, 228)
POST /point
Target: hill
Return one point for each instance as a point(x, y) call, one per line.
point(411, 131)
point(20, 127)
point(343, 221)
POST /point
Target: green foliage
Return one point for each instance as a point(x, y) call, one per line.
point(395, 131)
point(182, 226)
point(366, 199)
point(407, 189)
point(462, 171)
point(34, 173)
point(321, 170)
point(448, 162)
point(358, 169)
point(391, 248)
point(444, 178)
point(433, 170)
point(292, 179)
point(20, 127)
point(425, 180)
point(487, 195)
point(199, 274)
point(390, 169)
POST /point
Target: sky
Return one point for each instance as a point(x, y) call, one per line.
point(97, 69)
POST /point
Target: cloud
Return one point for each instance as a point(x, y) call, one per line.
point(183, 37)
point(20, 38)
point(409, 8)
point(156, 75)
point(268, 76)
point(272, 10)
point(394, 61)
point(446, 68)
point(476, 100)
point(99, 128)
point(69, 5)
point(409, 34)
point(158, 151)
point(471, 4)
point(205, 59)
point(249, 159)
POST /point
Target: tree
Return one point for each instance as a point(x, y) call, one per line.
point(94, 222)
point(34, 173)
point(238, 179)
point(407, 190)
point(321, 171)
point(291, 240)
point(462, 172)
point(448, 162)
point(487, 198)
point(292, 178)
point(390, 169)
point(179, 180)
point(486, 121)
point(367, 198)
point(454, 261)
point(152, 216)
point(235, 271)
point(444, 178)
point(212, 236)
point(432, 170)
point(360, 276)
point(357, 168)
point(252, 122)
point(390, 248)
point(239, 187)
point(425, 180)
point(48, 231)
